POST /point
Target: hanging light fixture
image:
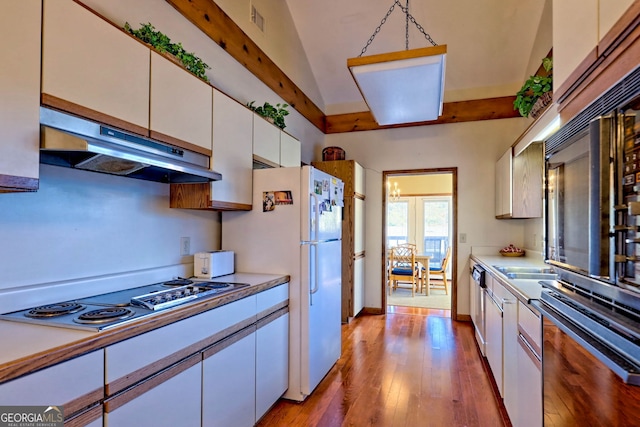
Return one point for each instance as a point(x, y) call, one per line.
point(405, 86)
point(394, 195)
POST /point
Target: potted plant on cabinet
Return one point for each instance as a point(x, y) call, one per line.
point(273, 113)
point(162, 43)
point(536, 93)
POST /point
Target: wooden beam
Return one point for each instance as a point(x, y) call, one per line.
point(453, 112)
point(211, 19)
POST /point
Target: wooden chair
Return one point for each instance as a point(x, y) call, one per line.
point(440, 271)
point(403, 268)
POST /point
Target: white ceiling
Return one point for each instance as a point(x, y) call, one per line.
point(489, 42)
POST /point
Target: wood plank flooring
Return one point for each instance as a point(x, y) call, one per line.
point(411, 367)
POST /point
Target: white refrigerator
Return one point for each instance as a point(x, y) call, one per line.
point(295, 228)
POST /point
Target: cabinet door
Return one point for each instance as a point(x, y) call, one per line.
point(181, 106)
point(530, 411)
point(266, 141)
point(289, 151)
point(474, 294)
point(609, 11)
point(232, 150)
point(511, 380)
point(172, 401)
point(503, 185)
point(527, 182)
point(272, 361)
point(358, 286)
point(575, 36)
point(494, 341)
point(359, 225)
point(20, 89)
point(91, 68)
point(60, 385)
point(359, 179)
point(229, 381)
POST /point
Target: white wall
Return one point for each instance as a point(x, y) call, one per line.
point(81, 225)
point(473, 148)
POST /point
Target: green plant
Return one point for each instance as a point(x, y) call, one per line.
point(534, 88)
point(162, 43)
point(275, 113)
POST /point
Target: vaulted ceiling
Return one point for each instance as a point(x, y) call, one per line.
point(489, 42)
point(489, 48)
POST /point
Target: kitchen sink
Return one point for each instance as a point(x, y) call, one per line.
point(532, 276)
point(527, 273)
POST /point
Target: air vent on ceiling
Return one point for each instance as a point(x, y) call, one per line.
point(256, 18)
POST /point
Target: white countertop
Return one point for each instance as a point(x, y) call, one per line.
point(524, 290)
point(25, 340)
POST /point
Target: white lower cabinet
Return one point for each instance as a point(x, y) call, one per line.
point(272, 361)
point(529, 364)
point(511, 380)
point(494, 333)
point(228, 381)
point(44, 387)
point(171, 398)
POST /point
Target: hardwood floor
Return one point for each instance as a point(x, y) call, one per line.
point(411, 367)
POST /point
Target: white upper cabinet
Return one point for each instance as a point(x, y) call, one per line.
point(92, 68)
point(504, 177)
point(578, 27)
point(20, 100)
point(575, 34)
point(272, 146)
point(181, 106)
point(232, 150)
point(519, 183)
point(609, 11)
point(289, 150)
point(266, 141)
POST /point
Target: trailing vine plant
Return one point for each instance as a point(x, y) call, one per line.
point(274, 112)
point(162, 43)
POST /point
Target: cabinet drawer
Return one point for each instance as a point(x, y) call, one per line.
point(530, 323)
point(271, 298)
point(60, 385)
point(136, 358)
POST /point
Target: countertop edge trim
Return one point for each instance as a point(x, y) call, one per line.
point(44, 359)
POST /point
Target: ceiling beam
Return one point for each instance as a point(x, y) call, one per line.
point(211, 19)
point(452, 112)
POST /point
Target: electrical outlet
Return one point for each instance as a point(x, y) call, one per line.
point(185, 246)
point(463, 237)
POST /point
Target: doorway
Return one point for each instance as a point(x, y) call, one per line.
point(420, 208)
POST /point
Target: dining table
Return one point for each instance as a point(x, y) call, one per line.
point(424, 260)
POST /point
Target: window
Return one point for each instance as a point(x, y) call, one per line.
point(436, 214)
point(397, 223)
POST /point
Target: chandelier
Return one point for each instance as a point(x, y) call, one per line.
point(405, 86)
point(394, 195)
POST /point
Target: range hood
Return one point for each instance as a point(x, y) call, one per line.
point(74, 142)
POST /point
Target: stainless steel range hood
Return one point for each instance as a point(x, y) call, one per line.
point(74, 142)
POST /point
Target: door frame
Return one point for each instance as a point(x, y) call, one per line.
point(454, 253)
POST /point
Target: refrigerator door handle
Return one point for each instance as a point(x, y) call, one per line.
point(314, 244)
point(316, 280)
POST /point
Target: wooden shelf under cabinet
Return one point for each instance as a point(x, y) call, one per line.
point(198, 196)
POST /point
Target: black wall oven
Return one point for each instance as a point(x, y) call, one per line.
point(590, 353)
point(591, 314)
